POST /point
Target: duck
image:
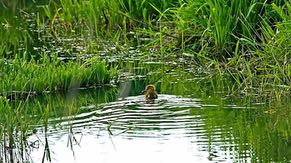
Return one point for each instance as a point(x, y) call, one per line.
point(150, 92)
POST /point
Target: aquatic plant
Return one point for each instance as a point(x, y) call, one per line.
point(51, 74)
point(15, 127)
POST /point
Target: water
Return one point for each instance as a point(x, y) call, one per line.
point(172, 129)
point(137, 130)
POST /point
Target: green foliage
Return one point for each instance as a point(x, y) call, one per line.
point(50, 74)
point(247, 40)
point(273, 60)
point(12, 37)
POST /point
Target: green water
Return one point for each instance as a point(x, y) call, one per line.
point(117, 125)
point(195, 118)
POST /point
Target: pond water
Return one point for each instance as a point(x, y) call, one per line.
point(108, 125)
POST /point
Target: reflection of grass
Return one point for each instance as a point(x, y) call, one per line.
point(65, 104)
point(255, 125)
point(19, 119)
point(248, 132)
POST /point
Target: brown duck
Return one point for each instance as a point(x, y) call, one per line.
point(150, 93)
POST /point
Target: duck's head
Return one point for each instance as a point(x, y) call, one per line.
point(150, 92)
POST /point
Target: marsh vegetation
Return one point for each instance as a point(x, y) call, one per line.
point(71, 70)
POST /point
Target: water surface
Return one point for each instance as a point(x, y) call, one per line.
point(172, 129)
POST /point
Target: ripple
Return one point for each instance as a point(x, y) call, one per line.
point(168, 119)
point(167, 112)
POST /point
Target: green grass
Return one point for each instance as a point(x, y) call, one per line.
point(50, 74)
point(239, 39)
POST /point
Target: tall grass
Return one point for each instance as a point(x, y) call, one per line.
point(50, 74)
point(238, 37)
point(274, 57)
point(100, 15)
point(13, 35)
point(221, 22)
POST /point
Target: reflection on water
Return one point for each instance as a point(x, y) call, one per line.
point(173, 129)
point(108, 126)
point(128, 130)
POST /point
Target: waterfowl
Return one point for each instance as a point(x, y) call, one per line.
point(150, 93)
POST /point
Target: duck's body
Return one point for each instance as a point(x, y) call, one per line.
point(150, 92)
